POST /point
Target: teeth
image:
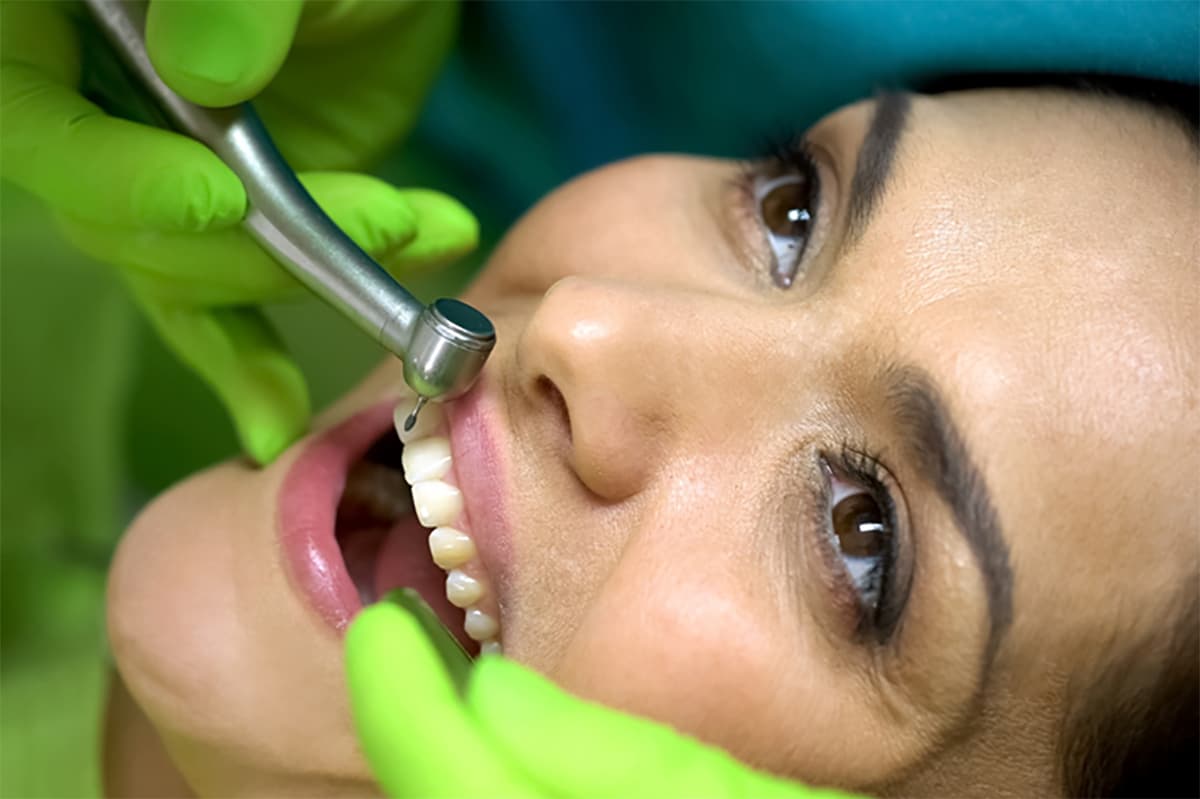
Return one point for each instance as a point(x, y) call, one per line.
point(430, 420)
point(462, 589)
point(426, 459)
point(436, 503)
point(450, 548)
point(480, 626)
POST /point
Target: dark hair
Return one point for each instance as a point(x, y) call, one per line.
point(1133, 730)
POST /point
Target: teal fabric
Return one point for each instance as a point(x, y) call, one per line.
point(540, 92)
point(96, 417)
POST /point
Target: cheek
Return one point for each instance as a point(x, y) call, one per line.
point(630, 220)
point(695, 630)
point(169, 620)
point(671, 643)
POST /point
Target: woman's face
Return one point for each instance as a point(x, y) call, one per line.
point(855, 463)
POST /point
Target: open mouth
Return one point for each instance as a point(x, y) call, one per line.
point(382, 542)
point(368, 508)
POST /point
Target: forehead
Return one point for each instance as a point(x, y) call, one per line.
point(1043, 248)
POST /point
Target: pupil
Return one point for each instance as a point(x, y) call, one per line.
point(785, 209)
point(859, 526)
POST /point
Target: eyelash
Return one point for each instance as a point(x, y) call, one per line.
point(786, 163)
point(780, 159)
point(879, 622)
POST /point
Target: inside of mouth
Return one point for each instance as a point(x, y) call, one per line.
point(383, 544)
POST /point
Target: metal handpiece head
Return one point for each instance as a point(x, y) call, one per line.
point(449, 345)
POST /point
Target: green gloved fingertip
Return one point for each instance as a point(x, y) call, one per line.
point(239, 355)
point(445, 230)
point(265, 439)
point(411, 723)
point(220, 53)
point(454, 658)
point(271, 410)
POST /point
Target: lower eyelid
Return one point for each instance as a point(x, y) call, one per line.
point(836, 590)
point(745, 237)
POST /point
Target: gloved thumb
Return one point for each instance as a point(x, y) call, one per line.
point(576, 748)
point(218, 53)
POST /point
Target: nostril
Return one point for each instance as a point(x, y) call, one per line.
point(554, 397)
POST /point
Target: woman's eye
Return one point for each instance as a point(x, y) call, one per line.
point(861, 528)
point(787, 206)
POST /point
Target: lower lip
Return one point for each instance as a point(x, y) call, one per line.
point(308, 508)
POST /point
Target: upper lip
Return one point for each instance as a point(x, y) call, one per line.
point(480, 469)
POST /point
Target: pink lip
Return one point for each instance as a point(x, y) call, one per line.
point(480, 474)
point(308, 507)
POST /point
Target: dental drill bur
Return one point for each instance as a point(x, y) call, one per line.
point(443, 345)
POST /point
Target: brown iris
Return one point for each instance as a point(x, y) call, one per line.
point(858, 523)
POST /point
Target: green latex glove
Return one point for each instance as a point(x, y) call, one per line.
point(336, 83)
point(422, 711)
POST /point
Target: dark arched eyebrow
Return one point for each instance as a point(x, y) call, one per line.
point(932, 441)
point(875, 157)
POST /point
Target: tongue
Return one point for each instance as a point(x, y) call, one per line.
point(404, 562)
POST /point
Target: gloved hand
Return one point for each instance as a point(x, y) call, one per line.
point(422, 711)
point(336, 84)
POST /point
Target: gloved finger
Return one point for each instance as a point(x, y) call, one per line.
point(542, 730)
point(415, 733)
point(545, 728)
point(40, 35)
point(445, 229)
point(370, 94)
point(454, 658)
point(65, 150)
point(239, 355)
point(338, 21)
point(219, 53)
point(228, 267)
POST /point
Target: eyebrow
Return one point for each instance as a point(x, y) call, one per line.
point(875, 157)
point(940, 453)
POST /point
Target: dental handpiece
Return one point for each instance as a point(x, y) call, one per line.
point(443, 345)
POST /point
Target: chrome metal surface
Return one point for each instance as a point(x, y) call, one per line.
point(446, 350)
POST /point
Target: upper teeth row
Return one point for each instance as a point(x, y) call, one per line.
point(438, 504)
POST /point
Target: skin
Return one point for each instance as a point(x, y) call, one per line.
point(1034, 255)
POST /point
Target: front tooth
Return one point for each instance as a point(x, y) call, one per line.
point(462, 589)
point(429, 421)
point(479, 625)
point(426, 459)
point(436, 503)
point(450, 547)
point(491, 647)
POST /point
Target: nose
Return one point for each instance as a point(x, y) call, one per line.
point(620, 366)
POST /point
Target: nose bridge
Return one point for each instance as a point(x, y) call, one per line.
point(628, 361)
